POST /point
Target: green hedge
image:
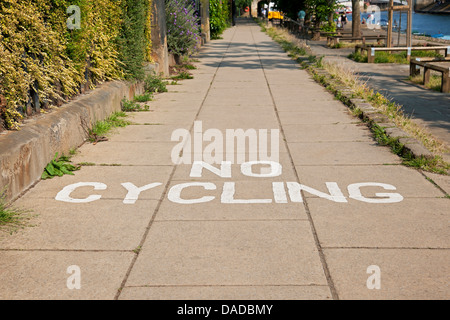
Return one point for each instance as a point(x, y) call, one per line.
point(39, 54)
point(219, 17)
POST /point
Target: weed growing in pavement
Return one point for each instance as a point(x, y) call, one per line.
point(59, 166)
point(182, 76)
point(101, 128)
point(12, 218)
point(155, 83)
point(130, 106)
point(143, 97)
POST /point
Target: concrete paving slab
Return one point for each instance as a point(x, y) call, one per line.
point(326, 133)
point(228, 253)
point(212, 211)
point(411, 274)
point(302, 117)
point(227, 293)
point(310, 105)
point(340, 153)
point(126, 153)
point(102, 225)
point(147, 132)
point(164, 117)
point(412, 223)
point(442, 181)
point(42, 275)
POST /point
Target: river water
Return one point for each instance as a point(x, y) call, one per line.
point(428, 24)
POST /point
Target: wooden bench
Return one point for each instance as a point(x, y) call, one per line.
point(428, 64)
point(371, 50)
point(334, 40)
point(336, 33)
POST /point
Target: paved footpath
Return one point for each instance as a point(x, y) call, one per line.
point(328, 226)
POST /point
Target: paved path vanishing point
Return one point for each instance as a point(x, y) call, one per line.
point(268, 244)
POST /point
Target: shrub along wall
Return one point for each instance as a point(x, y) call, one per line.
point(220, 16)
point(43, 63)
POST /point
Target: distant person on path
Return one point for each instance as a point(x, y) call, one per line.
point(301, 17)
point(233, 13)
point(344, 19)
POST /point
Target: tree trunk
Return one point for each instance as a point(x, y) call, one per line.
point(356, 18)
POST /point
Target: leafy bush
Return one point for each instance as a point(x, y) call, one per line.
point(133, 40)
point(219, 17)
point(40, 55)
point(182, 27)
point(155, 83)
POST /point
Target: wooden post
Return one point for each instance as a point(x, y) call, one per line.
point(426, 75)
point(445, 82)
point(390, 18)
point(413, 70)
point(409, 24)
point(370, 55)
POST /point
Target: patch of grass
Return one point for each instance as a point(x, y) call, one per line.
point(358, 57)
point(12, 218)
point(132, 106)
point(59, 167)
point(434, 83)
point(73, 151)
point(189, 66)
point(182, 76)
point(155, 83)
point(292, 45)
point(101, 128)
point(143, 97)
point(435, 164)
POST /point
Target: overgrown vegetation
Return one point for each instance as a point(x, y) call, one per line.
point(219, 17)
point(183, 30)
point(12, 218)
point(59, 167)
point(155, 83)
point(135, 37)
point(100, 129)
point(132, 106)
point(41, 58)
point(434, 83)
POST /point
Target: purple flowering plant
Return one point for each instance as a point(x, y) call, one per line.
point(183, 30)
